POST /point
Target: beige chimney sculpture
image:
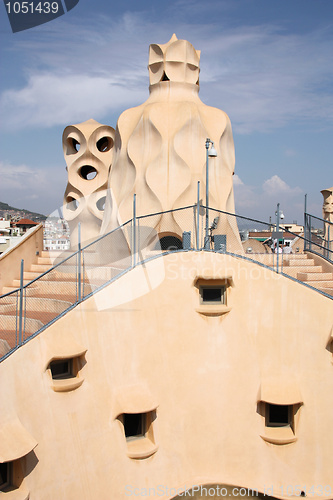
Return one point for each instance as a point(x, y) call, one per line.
point(160, 150)
point(88, 150)
point(328, 216)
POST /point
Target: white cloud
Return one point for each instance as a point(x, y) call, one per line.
point(290, 153)
point(262, 76)
point(275, 185)
point(20, 176)
point(51, 99)
point(27, 187)
point(245, 195)
point(265, 78)
point(255, 201)
point(237, 180)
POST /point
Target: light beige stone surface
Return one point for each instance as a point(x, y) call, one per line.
point(160, 150)
point(206, 376)
point(88, 151)
point(28, 249)
point(202, 374)
point(328, 215)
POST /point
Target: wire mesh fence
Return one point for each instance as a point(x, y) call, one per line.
point(162, 232)
point(50, 295)
point(105, 259)
point(318, 234)
point(224, 232)
point(39, 301)
point(9, 321)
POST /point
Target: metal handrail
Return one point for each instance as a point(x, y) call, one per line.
point(65, 260)
point(83, 248)
point(325, 248)
point(319, 218)
point(106, 234)
point(81, 262)
point(166, 211)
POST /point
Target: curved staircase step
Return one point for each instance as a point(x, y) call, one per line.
point(295, 270)
point(320, 283)
point(299, 262)
point(38, 304)
point(39, 268)
point(314, 276)
point(9, 336)
point(10, 323)
point(328, 290)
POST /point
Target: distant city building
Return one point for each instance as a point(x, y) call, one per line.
point(56, 235)
point(24, 224)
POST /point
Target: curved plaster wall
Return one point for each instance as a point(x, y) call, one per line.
point(202, 378)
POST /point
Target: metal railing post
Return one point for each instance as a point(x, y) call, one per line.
point(79, 262)
point(21, 303)
point(134, 231)
point(278, 236)
point(328, 242)
point(206, 244)
point(198, 214)
point(306, 233)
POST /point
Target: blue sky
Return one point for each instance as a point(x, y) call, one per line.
point(267, 63)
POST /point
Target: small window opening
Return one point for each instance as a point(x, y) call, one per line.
point(135, 425)
point(101, 204)
point(212, 294)
point(75, 144)
point(65, 373)
point(72, 203)
point(4, 475)
point(165, 78)
point(138, 431)
point(62, 369)
point(88, 172)
point(279, 415)
point(170, 243)
point(104, 144)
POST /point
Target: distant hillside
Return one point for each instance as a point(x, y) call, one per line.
point(21, 212)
